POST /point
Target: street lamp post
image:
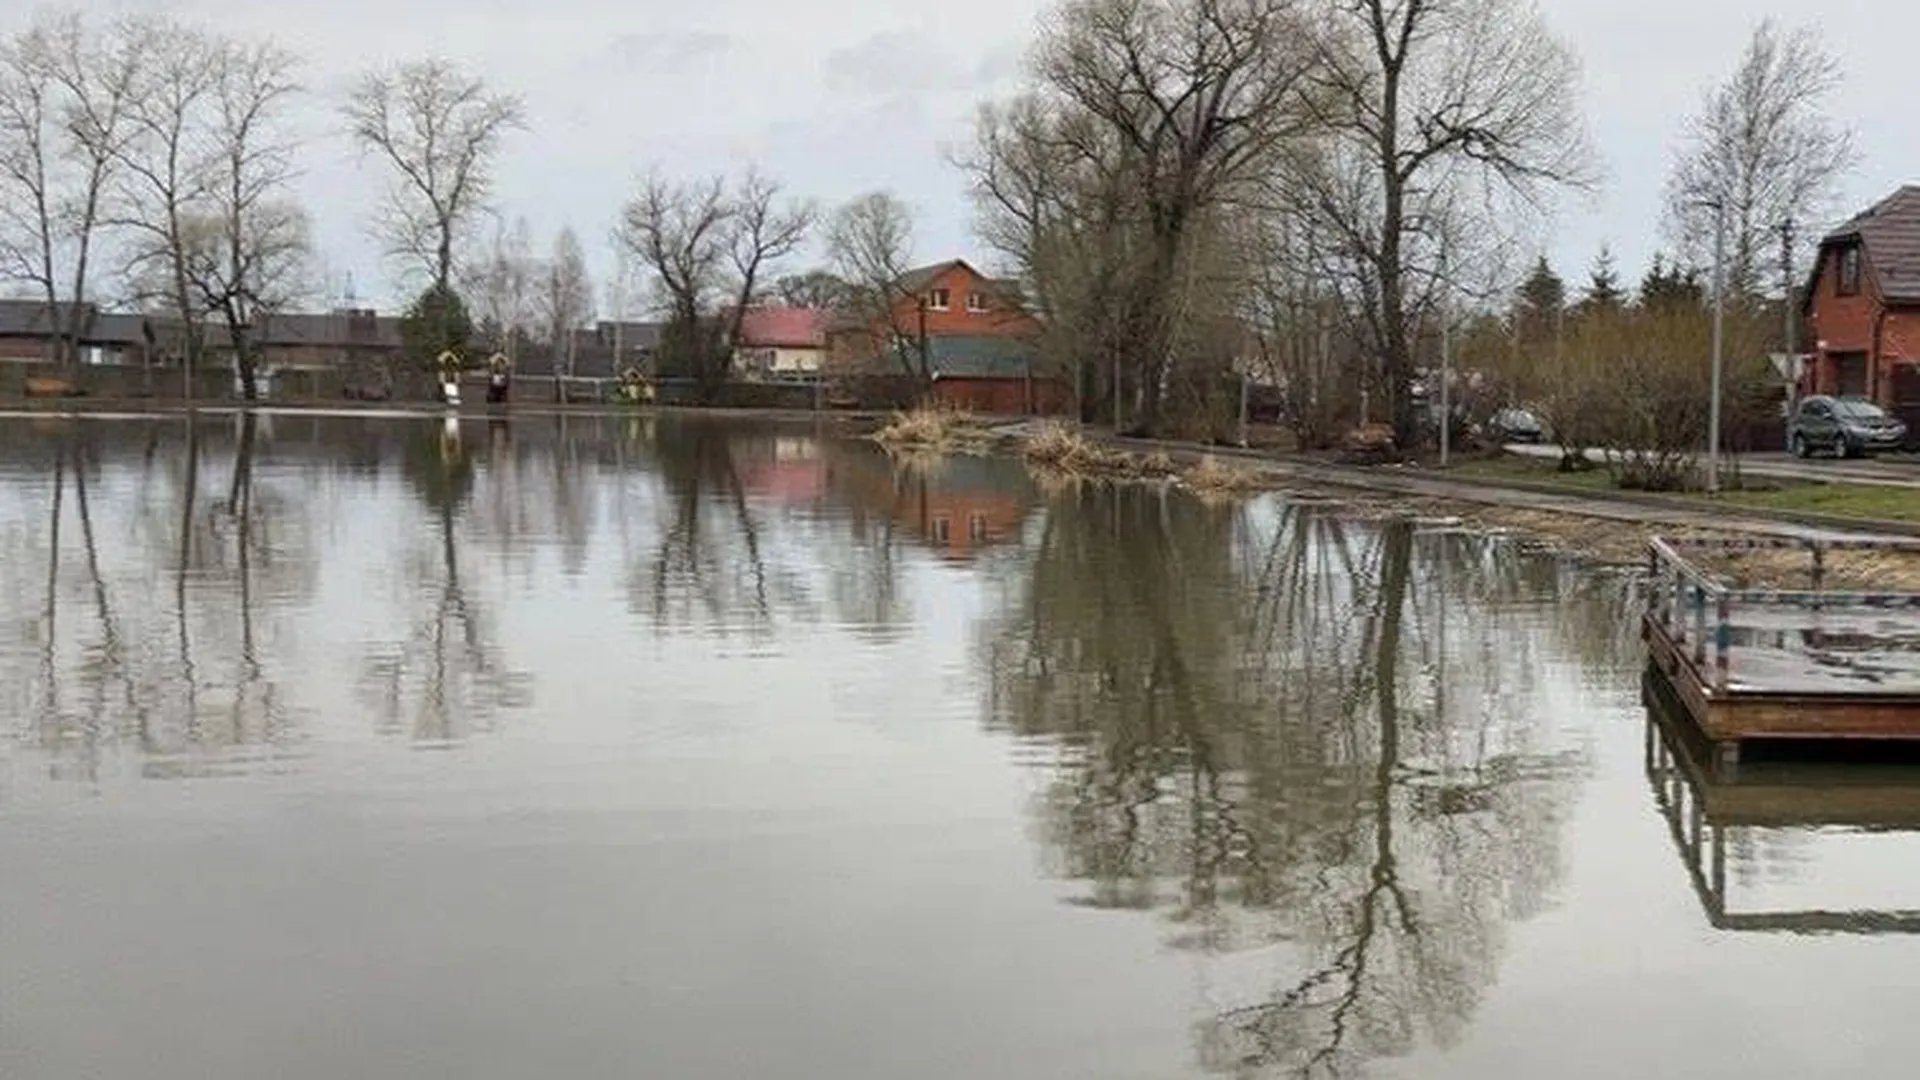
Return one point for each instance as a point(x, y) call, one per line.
point(1446, 374)
point(1719, 343)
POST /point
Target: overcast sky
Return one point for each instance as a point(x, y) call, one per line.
point(843, 97)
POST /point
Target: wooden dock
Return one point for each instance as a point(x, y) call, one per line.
point(1812, 663)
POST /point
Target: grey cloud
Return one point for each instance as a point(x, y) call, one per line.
point(897, 62)
point(669, 52)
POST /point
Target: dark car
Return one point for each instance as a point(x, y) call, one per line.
point(1843, 426)
point(1515, 426)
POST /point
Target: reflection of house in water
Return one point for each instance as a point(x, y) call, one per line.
point(786, 469)
point(1723, 816)
point(959, 506)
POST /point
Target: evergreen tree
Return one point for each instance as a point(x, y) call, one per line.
point(1603, 284)
point(1541, 302)
point(1671, 287)
point(436, 322)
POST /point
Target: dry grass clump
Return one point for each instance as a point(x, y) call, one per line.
point(1215, 477)
point(938, 428)
point(1063, 447)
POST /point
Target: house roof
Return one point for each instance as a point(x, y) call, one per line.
point(783, 328)
point(1890, 232)
point(980, 357)
point(28, 318)
point(922, 276)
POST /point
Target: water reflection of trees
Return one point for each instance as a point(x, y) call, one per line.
point(1295, 734)
point(130, 594)
point(448, 676)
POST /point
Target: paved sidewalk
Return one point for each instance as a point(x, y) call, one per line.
point(1894, 471)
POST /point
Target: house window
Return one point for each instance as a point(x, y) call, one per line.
point(977, 528)
point(942, 529)
point(938, 299)
point(976, 302)
point(1850, 271)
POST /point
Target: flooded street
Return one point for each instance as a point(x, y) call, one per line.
point(579, 747)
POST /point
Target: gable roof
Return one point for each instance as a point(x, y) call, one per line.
point(922, 276)
point(783, 328)
point(1890, 232)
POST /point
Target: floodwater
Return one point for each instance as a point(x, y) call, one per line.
point(366, 747)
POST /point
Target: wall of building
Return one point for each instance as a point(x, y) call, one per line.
point(1844, 326)
point(1050, 397)
point(957, 321)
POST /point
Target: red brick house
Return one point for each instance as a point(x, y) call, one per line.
point(980, 341)
point(1863, 307)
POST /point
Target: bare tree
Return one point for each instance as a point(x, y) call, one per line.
point(1158, 115)
point(441, 130)
point(821, 290)
point(762, 232)
point(247, 255)
point(870, 241)
point(1449, 120)
point(31, 235)
point(682, 234)
point(64, 97)
point(1764, 149)
point(502, 285)
point(168, 174)
point(566, 297)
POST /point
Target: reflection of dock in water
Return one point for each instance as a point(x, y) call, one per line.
point(1704, 801)
point(1768, 663)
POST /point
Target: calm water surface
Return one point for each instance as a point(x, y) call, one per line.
point(351, 747)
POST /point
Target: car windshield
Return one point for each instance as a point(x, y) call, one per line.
point(1857, 410)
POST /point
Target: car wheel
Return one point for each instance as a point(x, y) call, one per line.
point(1797, 445)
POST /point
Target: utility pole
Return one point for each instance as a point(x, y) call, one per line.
point(1719, 343)
point(1446, 367)
point(1790, 306)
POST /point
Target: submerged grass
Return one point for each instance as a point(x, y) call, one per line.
point(1059, 450)
point(936, 429)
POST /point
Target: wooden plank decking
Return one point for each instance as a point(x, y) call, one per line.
point(1771, 664)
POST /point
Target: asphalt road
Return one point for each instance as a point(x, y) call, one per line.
point(1892, 470)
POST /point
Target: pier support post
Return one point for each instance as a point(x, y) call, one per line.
point(1819, 575)
point(1699, 626)
point(1722, 641)
point(1726, 755)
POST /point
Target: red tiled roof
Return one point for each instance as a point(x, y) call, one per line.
point(1891, 232)
point(783, 328)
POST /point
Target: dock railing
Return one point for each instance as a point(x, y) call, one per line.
point(1695, 607)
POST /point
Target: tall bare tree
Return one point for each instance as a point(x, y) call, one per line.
point(247, 253)
point(1764, 148)
point(441, 130)
point(566, 297)
point(31, 235)
point(763, 231)
point(1449, 119)
point(681, 233)
point(870, 241)
point(65, 90)
point(502, 285)
point(1154, 117)
point(167, 173)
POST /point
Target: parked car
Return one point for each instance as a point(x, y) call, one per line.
point(1515, 426)
point(1843, 426)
